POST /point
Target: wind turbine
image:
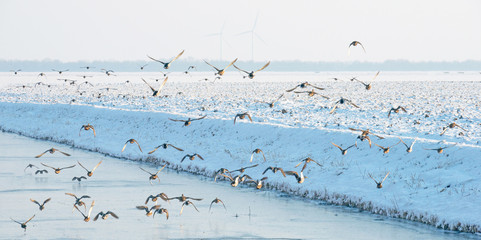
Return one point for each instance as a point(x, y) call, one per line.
point(253, 32)
point(221, 38)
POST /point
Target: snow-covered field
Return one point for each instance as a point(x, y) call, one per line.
point(439, 189)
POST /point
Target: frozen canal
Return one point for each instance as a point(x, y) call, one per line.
point(120, 186)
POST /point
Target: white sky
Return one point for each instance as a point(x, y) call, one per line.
point(68, 30)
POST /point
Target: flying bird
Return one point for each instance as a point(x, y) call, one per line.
point(162, 211)
point(107, 72)
point(89, 173)
point(187, 203)
point(52, 151)
point(306, 161)
point(304, 85)
point(190, 67)
point(259, 183)
point(143, 66)
point(29, 166)
point(344, 150)
point(342, 101)
point(165, 146)
point(252, 73)
point(365, 132)
point(86, 128)
point(379, 184)
point(257, 151)
point(221, 72)
point(216, 200)
point(85, 76)
point(152, 175)
point(312, 93)
point(154, 198)
point(410, 147)
point(192, 157)
point(149, 211)
point(156, 93)
point(60, 71)
point(70, 81)
point(39, 84)
point(188, 121)
point(237, 179)
point(57, 170)
point(385, 150)
point(41, 206)
point(441, 149)
point(164, 74)
point(275, 170)
point(167, 64)
point(86, 217)
point(24, 224)
point(396, 110)
point(242, 169)
point(355, 43)
point(367, 85)
point(79, 179)
point(451, 125)
point(41, 171)
point(16, 71)
point(78, 200)
point(242, 116)
point(183, 198)
point(131, 141)
point(105, 215)
point(364, 135)
point(219, 172)
point(24, 86)
point(299, 176)
point(271, 104)
point(85, 83)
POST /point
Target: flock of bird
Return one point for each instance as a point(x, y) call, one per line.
point(236, 177)
point(81, 206)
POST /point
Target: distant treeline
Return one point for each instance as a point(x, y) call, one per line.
point(277, 66)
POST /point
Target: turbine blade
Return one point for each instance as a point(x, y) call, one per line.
point(259, 37)
point(255, 22)
point(242, 33)
point(228, 44)
point(222, 29)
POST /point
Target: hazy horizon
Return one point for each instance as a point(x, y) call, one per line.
point(279, 66)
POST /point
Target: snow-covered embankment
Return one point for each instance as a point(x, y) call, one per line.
point(439, 189)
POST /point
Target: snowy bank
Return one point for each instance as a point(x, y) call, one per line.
point(438, 189)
